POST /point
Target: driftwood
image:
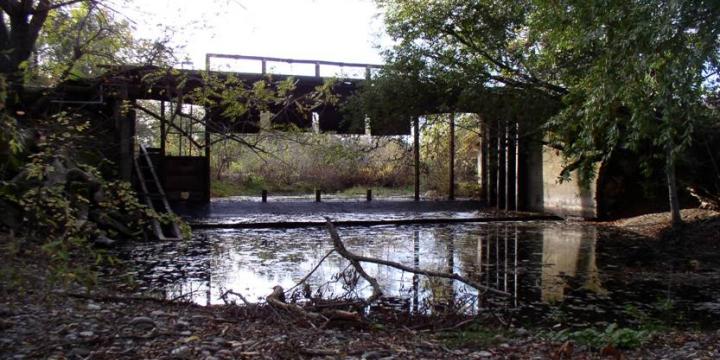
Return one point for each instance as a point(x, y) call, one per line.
point(707, 199)
point(357, 259)
point(276, 299)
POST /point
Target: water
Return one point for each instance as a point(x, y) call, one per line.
point(556, 272)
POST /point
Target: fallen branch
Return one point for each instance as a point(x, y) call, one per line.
point(224, 295)
point(356, 259)
point(277, 300)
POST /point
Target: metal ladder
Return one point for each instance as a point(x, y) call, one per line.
point(154, 195)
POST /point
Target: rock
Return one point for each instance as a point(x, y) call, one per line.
point(521, 332)
point(79, 352)
point(143, 322)
point(181, 324)
point(104, 241)
point(182, 352)
point(481, 354)
point(87, 334)
point(376, 355)
point(157, 313)
point(94, 307)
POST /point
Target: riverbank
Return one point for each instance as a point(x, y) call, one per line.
point(40, 319)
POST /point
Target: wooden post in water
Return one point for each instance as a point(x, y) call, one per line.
point(317, 195)
point(451, 186)
point(416, 152)
point(264, 195)
point(369, 195)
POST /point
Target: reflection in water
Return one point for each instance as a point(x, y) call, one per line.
point(568, 252)
point(537, 262)
point(502, 255)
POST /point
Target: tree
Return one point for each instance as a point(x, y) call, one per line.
point(20, 26)
point(629, 73)
point(636, 74)
point(49, 41)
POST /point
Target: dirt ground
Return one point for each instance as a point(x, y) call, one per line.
point(40, 320)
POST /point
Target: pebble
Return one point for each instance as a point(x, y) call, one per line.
point(376, 355)
point(482, 354)
point(182, 352)
point(87, 334)
point(181, 324)
point(93, 306)
point(143, 321)
point(157, 313)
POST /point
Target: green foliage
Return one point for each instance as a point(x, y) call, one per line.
point(76, 41)
point(11, 144)
point(57, 206)
point(619, 337)
point(635, 72)
point(435, 153)
point(474, 335)
point(299, 163)
point(636, 75)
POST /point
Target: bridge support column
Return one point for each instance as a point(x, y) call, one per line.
point(530, 169)
point(492, 161)
point(416, 153)
point(502, 164)
point(511, 188)
point(163, 129)
point(451, 185)
point(482, 161)
point(125, 125)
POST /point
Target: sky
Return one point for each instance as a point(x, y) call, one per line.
point(332, 30)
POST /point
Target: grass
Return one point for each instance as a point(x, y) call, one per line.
point(376, 191)
point(618, 337)
point(475, 335)
point(254, 187)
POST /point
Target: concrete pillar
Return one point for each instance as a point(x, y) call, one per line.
point(483, 161)
point(511, 179)
point(522, 169)
point(451, 185)
point(208, 178)
point(416, 152)
point(163, 129)
point(125, 125)
point(502, 164)
point(492, 163)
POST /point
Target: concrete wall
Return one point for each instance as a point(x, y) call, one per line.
point(548, 194)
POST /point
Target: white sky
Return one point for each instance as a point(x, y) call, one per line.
point(333, 30)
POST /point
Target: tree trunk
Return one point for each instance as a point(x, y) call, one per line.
point(672, 187)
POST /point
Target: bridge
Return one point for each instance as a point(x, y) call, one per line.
point(515, 170)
